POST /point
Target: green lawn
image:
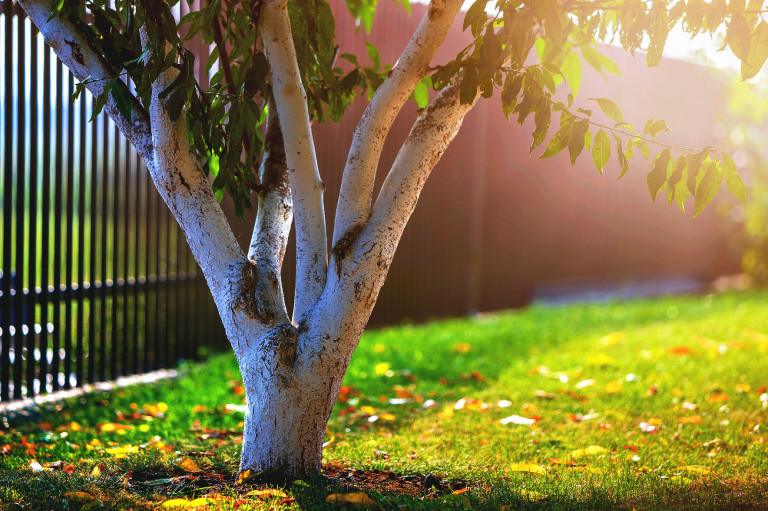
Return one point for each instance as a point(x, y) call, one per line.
point(649, 404)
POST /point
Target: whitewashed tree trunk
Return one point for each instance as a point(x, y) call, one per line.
point(292, 364)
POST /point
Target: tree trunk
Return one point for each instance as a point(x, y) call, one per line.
point(290, 392)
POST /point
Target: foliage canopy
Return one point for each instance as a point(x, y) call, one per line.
point(529, 53)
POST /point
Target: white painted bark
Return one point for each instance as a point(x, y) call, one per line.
point(306, 186)
point(292, 372)
point(273, 219)
point(354, 205)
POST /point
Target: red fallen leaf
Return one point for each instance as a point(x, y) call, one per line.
point(45, 426)
point(717, 397)
point(630, 447)
point(6, 449)
point(574, 417)
point(680, 350)
point(459, 492)
point(537, 418)
point(652, 391)
point(762, 389)
point(477, 376)
point(288, 500)
point(349, 409)
point(238, 389)
point(442, 381)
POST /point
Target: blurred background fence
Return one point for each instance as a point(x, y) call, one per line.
point(97, 281)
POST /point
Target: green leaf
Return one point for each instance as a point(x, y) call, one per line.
point(610, 109)
point(676, 177)
point(561, 140)
point(56, 7)
point(657, 127)
point(601, 150)
point(543, 118)
point(571, 69)
point(601, 63)
point(658, 175)
point(658, 31)
point(373, 53)
point(578, 140)
point(758, 52)
point(100, 101)
point(421, 93)
point(475, 17)
point(738, 37)
point(468, 87)
point(708, 187)
point(122, 98)
point(623, 163)
point(733, 180)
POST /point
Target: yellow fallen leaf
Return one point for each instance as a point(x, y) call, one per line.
point(613, 387)
point(600, 360)
point(381, 368)
point(189, 465)
point(368, 410)
point(386, 416)
point(379, 348)
point(530, 468)
point(79, 496)
point(267, 493)
point(121, 452)
point(532, 496)
point(357, 499)
point(204, 502)
point(743, 388)
point(199, 409)
point(177, 504)
point(589, 451)
point(696, 469)
point(95, 473)
point(462, 347)
point(613, 339)
point(244, 476)
point(109, 427)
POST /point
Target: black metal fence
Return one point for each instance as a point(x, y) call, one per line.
point(96, 280)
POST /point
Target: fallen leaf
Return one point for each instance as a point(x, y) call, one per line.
point(630, 447)
point(680, 350)
point(45, 426)
point(177, 504)
point(585, 383)
point(567, 463)
point(95, 473)
point(463, 347)
point(613, 339)
point(199, 409)
point(121, 452)
point(743, 388)
point(691, 419)
point(517, 419)
point(109, 427)
point(35, 466)
point(588, 451)
point(648, 428)
point(529, 468)
point(544, 395)
point(714, 398)
point(690, 406)
point(357, 499)
point(532, 496)
point(696, 469)
point(459, 492)
point(79, 496)
point(613, 387)
point(382, 368)
point(267, 493)
point(188, 465)
point(368, 410)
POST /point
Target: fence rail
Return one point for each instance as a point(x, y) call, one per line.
point(96, 281)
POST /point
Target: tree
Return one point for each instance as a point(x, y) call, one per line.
point(278, 66)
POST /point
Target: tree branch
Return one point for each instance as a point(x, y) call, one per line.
point(306, 185)
point(422, 149)
point(182, 184)
point(74, 51)
point(354, 205)
point(273, 219)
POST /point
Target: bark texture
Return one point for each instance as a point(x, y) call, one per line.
point(292, 364)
